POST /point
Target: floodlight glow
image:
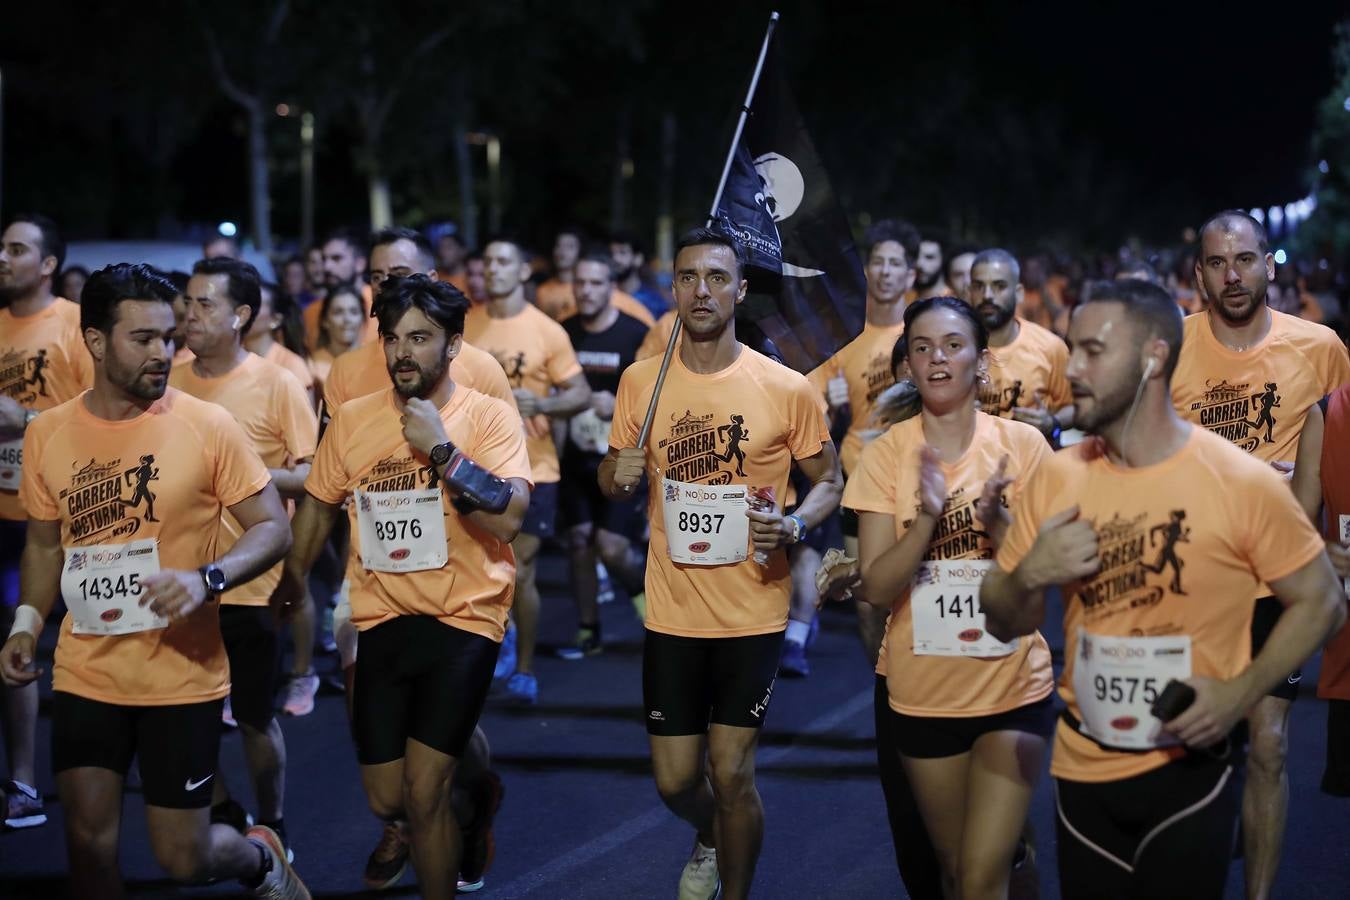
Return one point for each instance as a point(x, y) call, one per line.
point(228, 229)
point(1280, 257)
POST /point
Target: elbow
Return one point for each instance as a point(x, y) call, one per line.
point(871, 592)
point(282, 543)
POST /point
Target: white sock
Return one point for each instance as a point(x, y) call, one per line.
point(798, 632)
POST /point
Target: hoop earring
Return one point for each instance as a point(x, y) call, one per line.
point(984, 378)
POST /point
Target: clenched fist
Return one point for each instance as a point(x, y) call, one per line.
point(629, 466)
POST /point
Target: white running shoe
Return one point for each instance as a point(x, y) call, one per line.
point(699, 880)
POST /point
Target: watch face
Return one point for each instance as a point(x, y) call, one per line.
point(215, 579)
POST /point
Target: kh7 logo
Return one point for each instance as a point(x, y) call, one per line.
point(971, 635)
point(1124, 723)
point(700, 547)
point(110, 615)
point(400, 554)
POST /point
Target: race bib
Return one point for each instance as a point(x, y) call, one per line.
point(589, 432)
point(706, 524)
point(1345, 542)
point(948, 619)
point(1117, 679)
point(401, 531)
point(11, 464)
point(102, 586)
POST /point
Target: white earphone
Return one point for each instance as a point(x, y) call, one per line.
point(236, 324)
point(1149, 366)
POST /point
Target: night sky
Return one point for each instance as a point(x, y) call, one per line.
point(1074, 124)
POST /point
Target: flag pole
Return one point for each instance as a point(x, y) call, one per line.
point(712, 213)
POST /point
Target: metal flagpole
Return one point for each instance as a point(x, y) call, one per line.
point(712, 212)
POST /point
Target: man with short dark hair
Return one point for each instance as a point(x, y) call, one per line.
point(1251, 374)
point(224, 296)
point(431, 593)
point(344, 262)
point(548, 383)
point(554, 296)
point(728, 426)
point(125, 486)
point(41, 334)
point(630, 256)
point(605, 341)
point(929, 269)
point(1154, 532)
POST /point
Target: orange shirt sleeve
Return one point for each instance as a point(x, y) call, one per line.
point(1028, 508)
point(1061, 395)
point(809, 429)
point(1335, 368)
point(500, 442)
point(626, 425)
point(328, 477)
point(562, 361)
point(238, 473)
point(299, 425)
point(1260, 500)
point(871, 486)
point(34, 493)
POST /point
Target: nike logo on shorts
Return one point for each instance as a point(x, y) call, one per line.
point(1296, 678)
point(191, 785)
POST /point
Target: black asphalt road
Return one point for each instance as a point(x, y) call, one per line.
point(581, 818)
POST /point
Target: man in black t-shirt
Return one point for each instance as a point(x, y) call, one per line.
point(606, 342)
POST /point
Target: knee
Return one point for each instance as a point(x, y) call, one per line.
point(426, 795)
point(1269, 751)
point(732, 781)
point(579, 541)
point(386, 805)
point(981, 877)
point(182, 857)
point(675, 787)
point(613, 549)
point(89, 838)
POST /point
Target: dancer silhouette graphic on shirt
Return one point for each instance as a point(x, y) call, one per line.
point(1269, 400)
point(144, 474)
point(37, 364)
point(734, 434)
point(1173, 533)
point(515, 369)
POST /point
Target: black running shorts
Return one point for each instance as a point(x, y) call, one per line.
point(690, 683)
point(1264, 617)
point(541, 518)
point(1166, 833)
point(934, 737)
point(250, 636)
point(418, 678)
point(176, 746)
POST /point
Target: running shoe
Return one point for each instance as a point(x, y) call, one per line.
point(588, 644)
point(389, 860)
point(506, 656)
point(230, 812)
point(479, 845)
point(23, 806)
point(280, 882)
point(300, 691)
point(699, 880)
point(793, 661)
point(227, 715)
point(523, 688)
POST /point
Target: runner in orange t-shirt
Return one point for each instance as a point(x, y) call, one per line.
point(399, 252)
point(43, 362)
point(125, 487)
point(548, 383)
point(1157, 531)
point(727, 428)
point(223, 298)
point(433, 570)
point(852, 379)
point(965, 709)
point(1026, 370)
point(554, 296)
point(1250, 374)
point(343, 314)
point(266, 336)
point(654, 344)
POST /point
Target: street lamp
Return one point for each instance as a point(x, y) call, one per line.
point(494, 163)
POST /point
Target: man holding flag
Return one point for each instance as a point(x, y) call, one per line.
point(727, 427)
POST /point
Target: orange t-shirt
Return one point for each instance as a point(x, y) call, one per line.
point(1258, 398)
point(536, 354)
point(364, 449)
point(657, 339)
point(182, 356)
point(1209, 520)
point(364, 371)
point(277, 417)
point(167, 474)
point(370, 331)
point(865, 363)
point(1334, 683)
point(281, 355)
point(887, 482)
point(43, 363)
point(1032, 368)
point(692, 441)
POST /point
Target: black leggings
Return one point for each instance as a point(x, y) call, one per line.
point(1166, 833)
point(914, 854)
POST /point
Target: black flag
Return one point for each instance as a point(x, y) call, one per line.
point(778, 202)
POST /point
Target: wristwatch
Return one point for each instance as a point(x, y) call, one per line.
point(798, 527)
point(441, 453)
point(213, 576)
